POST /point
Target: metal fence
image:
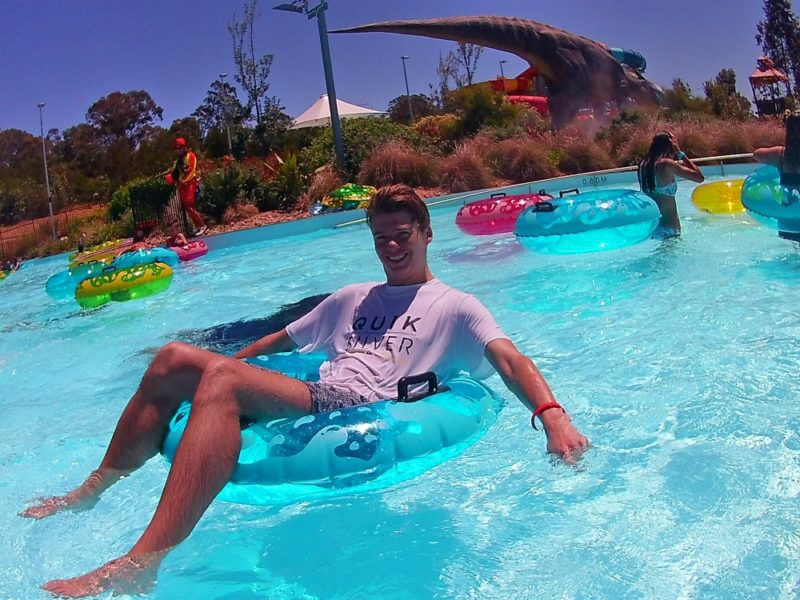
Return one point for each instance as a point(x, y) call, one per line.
point(147, 218)
point(32, 232)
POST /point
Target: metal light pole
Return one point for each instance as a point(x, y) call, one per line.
point(222, 77)
point(301, 6)
point(503, 75)
point(41, 105)
point(408, 96)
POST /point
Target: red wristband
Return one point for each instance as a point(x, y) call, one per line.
point(539, 410)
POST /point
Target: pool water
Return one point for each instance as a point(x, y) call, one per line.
point(678, 359)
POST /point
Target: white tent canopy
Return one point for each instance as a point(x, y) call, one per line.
point(319, 113)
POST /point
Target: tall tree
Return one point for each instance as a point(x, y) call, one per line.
point(725, 101)
point(120, 122)
point(448, 72)
point(779, 37)
point(80, 148)
point(455, 71)
point(252, 73)
point(20, 155)
point(221, 108)
point(421, 104)
point(467, 55)
point(124, 116)
point(679, 99)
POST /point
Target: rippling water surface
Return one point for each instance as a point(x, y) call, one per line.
point(679, 360)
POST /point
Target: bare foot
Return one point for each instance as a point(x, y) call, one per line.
point(124, 575)
point(45, 507)
point(82, 498)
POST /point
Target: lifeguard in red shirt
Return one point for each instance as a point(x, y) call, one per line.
point(184, 175)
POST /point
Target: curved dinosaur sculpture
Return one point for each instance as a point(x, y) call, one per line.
point(579, 72)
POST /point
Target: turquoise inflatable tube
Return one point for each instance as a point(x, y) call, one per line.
point(143, 257)
point(632, 58)
point(588, 222)
point(771, 203)
point(344, 451)
point(62, 284)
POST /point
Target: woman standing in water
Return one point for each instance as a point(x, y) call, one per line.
point(657, 178)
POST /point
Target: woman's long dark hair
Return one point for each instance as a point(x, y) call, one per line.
point(790, 161)
point(662, 146)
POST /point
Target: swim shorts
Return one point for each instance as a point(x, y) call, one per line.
point(325, 397)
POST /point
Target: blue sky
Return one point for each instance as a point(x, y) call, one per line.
point(70, 54)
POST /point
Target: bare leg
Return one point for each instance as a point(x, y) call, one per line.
point(203, 463)
point(172, 377)
point(194, 215)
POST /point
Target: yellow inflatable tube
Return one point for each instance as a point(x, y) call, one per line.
point(124, 284)
point(104, 255)
point(719, 197)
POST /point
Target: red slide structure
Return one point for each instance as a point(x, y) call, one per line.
point(525, 88)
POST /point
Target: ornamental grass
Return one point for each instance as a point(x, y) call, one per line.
point(398, 162)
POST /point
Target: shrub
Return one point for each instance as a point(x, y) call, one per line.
point(441, 128)
point(525, 121)
point(397, 162)
point(480, 106)
point(732, 140)
point(120, 202)
point(221, 188)
point(764, 133)
point(465, 170)
point(634, 149)
point(522, 159)
point(283, 191)
point(289, 182)
point(323, 182)
point(238, 212)
point(361, 138)
point(581, 156)
point(694, 138)
point(150, 196)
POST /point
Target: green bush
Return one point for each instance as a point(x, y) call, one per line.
point(149, 194)
point(221, 189)
point(120, 202)
point(282, 191)
point(479, 107)
point(361, 138)
point(439, 128)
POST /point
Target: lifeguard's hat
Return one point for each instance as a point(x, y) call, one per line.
point(180, 143)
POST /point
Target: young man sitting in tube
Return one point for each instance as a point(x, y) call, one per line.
point(436, 328)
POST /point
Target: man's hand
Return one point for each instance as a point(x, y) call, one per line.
point(563, 438)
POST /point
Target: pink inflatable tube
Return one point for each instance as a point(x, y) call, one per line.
point(194, 250)
point(496, 214)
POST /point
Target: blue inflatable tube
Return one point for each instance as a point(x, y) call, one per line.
point(771, 203)
point(143, 257)
point(63, 284)
point(369, 446)
point(588, 222)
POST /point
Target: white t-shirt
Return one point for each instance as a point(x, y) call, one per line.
point(374, 333)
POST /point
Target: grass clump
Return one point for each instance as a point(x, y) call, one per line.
point(464, 170)
point(398, 162)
